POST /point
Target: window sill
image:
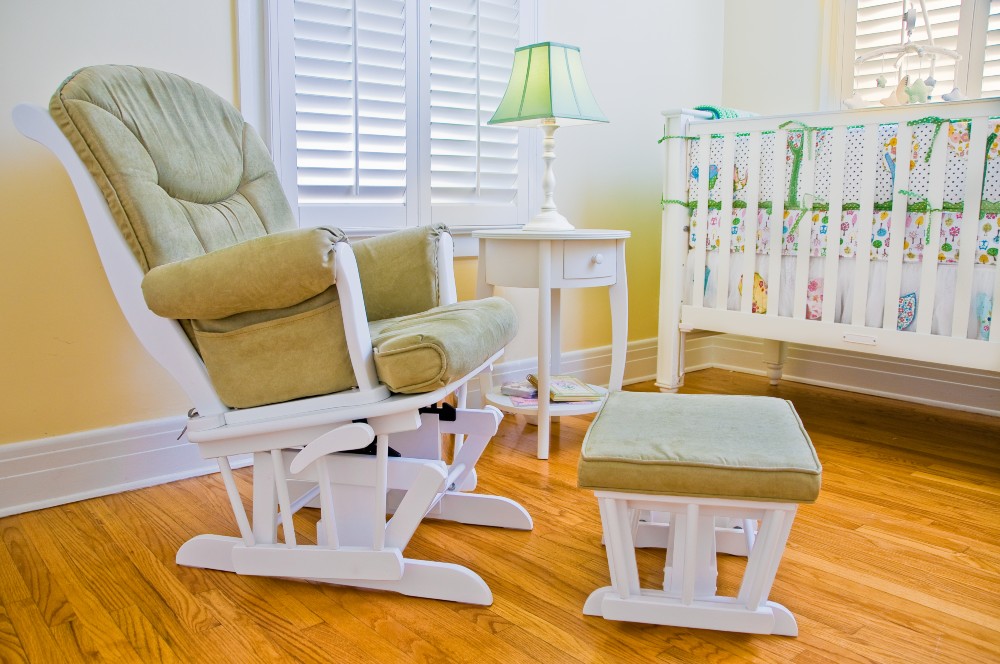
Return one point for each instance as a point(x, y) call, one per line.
point(466, 246)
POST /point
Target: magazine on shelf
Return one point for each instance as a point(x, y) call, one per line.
point(520, 388)
point(568, 388)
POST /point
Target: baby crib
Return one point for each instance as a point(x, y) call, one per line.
point(873, 230)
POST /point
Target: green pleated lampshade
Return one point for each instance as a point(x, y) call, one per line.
point(547, 81)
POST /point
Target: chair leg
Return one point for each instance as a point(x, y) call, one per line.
point(357, 547)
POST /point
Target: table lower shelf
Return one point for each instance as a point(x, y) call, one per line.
point(559, 409)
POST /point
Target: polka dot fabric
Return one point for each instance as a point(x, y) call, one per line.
point(951, 136)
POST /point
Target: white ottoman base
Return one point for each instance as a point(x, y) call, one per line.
point(688, 597)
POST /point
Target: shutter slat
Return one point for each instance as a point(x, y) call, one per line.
point(468, 76)
point(350, 100)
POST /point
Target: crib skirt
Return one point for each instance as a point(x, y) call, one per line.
point(909, 297)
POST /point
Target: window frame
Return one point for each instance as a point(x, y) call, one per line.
point(267, 99)
point(973, 27)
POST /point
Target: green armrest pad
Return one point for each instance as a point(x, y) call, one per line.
point(720, 446)
point(269, 272)
point(425, 351)
point(399, 271)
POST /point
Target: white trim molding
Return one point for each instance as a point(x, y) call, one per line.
point(36, 474)
point(906, 380)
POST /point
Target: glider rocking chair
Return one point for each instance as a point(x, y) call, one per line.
point(294, 345)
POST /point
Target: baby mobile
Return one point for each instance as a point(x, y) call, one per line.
point(911, 86)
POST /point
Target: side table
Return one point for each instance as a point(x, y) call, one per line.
point(551, 261)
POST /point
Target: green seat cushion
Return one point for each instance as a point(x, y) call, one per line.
point(736, 447)
point(428, 350)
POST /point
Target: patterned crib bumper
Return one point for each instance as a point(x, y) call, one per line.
point(805, 200)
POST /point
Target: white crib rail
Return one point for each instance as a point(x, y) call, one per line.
point(832, 265)
point(852, 332)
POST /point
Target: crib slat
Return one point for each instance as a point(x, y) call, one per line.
point(725, 219)
point(777, 221)
point(832, 262)
point(750, 224)
point(897, 229)
point(975, 166)
point(805, 229)
point(929, 262)
point(701, 234)
point(862, 256)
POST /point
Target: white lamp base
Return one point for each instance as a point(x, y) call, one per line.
point(548, 220)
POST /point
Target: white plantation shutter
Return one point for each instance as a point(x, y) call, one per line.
point(350, 101)
point(991, 59)
point(472, 46)
point(956, 24)
point(879, 24)
point(379, 111)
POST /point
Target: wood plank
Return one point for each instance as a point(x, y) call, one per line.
point(19, 556)
point(898, 560)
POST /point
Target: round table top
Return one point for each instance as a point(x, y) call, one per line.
point(571, 234)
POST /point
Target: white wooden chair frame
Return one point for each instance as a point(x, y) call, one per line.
point(298, 447)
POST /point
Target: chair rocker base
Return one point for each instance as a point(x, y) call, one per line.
point(414, 578)
point(356, 545)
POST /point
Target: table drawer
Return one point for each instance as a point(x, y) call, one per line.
point(589, 259)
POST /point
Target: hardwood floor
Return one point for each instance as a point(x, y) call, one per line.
point(898, 561)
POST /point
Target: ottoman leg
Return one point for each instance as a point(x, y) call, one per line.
point(616, 520)
point(688, 598)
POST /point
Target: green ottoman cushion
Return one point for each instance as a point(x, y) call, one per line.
point(736, 447)
point(425, 351)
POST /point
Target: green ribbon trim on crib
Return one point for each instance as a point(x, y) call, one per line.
point(937, 122)
point(807, 138)
point(664, 202)
point(714, 205)
point(925, 204)
point(986, 207)
point(740, 134)
point(683, 138)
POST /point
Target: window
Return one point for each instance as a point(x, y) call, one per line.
point(376, 110)
point(971, 27)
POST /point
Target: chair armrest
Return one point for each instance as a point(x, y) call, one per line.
point(269, 272)
point(400, 274)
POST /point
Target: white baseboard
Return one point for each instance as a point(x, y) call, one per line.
point(54, 471)
point(63, 469)
point(906, 380)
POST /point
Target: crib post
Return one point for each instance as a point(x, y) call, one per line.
point(775, 353)
point(673, 250)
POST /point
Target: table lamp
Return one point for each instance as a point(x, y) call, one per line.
point(547, 89)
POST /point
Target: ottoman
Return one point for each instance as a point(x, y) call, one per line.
point(697, 458)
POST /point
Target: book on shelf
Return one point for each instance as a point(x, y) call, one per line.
point(568, 388)
point(521, 402)
point(521, 388)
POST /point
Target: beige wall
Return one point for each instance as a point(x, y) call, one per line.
point(772, 55)
point(68, 361)
point(638, 59)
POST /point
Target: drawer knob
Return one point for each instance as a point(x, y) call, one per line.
point(597, 259)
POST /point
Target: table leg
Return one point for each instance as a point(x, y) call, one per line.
point(618, 293)
point(544, 343)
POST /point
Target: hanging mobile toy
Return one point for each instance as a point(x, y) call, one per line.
point(917, 92)
point(880, 81)
point(905, 91)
